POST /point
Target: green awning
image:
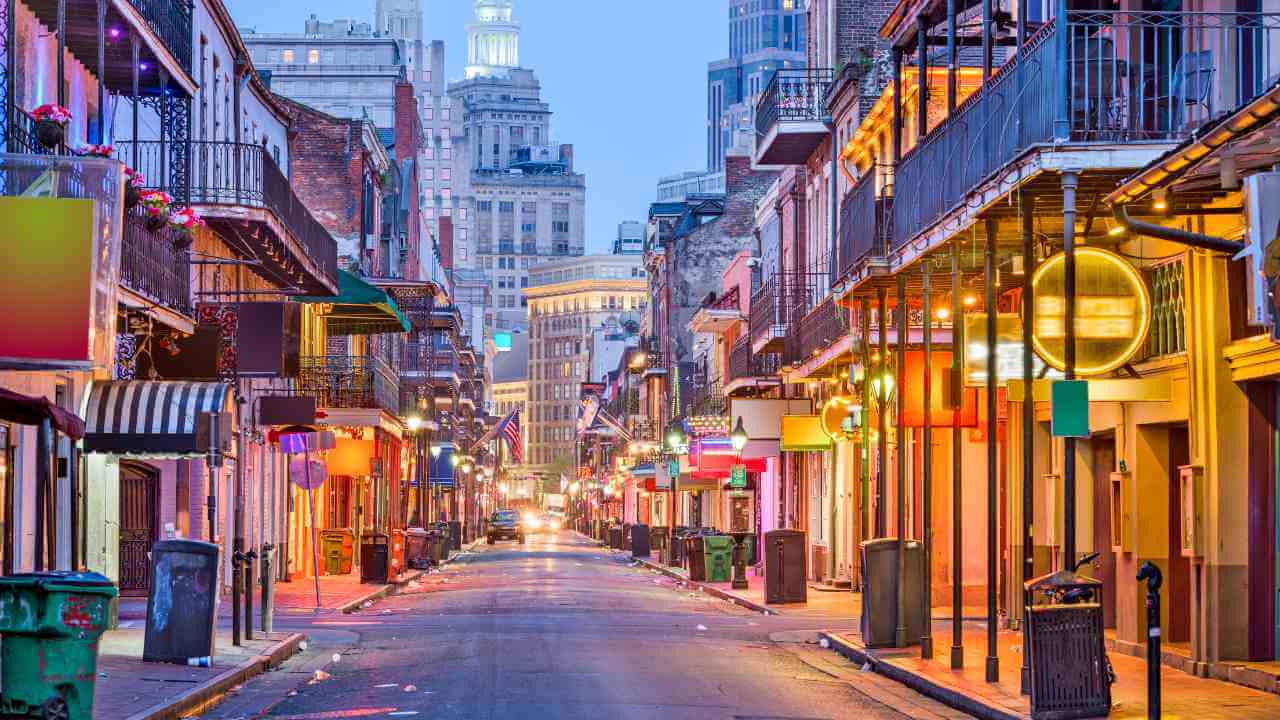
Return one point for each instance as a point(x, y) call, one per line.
point(360, 309)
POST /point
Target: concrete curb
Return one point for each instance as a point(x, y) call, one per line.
point(709, 589)
point(948, 695)
point(381, 591)
point(199, 698)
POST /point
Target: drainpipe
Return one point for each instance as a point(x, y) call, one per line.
point(833, 509)
point(1184, 237)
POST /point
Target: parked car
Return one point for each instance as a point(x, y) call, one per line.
point(505, 525)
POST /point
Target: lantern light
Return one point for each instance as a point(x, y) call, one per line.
point(414, 423)
point(739, 436)
point(455, 459)
point(435, 450)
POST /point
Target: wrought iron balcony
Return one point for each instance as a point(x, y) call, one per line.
point(431, 359)
point(747, 365)
point(778, 303)
point(1095, 77)
point(866, 221)
point(349, 381)
point(816, 331)
point(240, 175)
point(170, 20)
point(707, 398)
point(789, 116)
point(151, 267)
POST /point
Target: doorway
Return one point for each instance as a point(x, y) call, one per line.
point(1178, 581)
point(139, 518)
point(1102, 463)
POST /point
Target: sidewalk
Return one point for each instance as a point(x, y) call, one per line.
point(1184, 695)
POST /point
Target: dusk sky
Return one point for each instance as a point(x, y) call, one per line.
point(626, 82)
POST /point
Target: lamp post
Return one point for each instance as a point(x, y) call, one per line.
point(739, 440)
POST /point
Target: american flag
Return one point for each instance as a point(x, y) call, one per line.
point(509, 428)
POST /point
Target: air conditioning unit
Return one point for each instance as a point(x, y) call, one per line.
point(1261, 194)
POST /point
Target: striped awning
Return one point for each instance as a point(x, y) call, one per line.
point(152, 418)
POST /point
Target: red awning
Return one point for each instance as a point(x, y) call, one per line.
point(29, 410)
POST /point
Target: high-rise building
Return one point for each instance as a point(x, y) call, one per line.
point(515, 199)
point(630, 240)
point(569, 300)
point(764, 37)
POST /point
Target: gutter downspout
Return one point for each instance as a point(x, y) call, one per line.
point(832, 481)
point(1184, 237)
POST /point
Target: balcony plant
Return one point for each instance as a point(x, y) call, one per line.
point(133, 182)
point(155, 203)
point(185, 221)
point(51, 124)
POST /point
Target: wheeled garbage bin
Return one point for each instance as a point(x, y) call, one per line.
point(675, 553)
point(375, 559)
point(455, 535)
point(639, 541)
point(695, 557)
point(718, 557)
point(182, 602)
point(418, 552)
point(880, 592)
point(51, 624)
point(658, 541)
point(337, 548)
point(615, 537)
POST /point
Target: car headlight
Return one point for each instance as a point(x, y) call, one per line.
point(533, 523)
point(555, 524)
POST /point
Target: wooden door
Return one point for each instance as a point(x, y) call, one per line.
point(139, 509)
point(1104, 463)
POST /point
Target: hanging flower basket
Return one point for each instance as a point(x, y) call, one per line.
point(101, 151)
point(155, 203)
point(51, 124)
point(185, 221)
point(133, 182)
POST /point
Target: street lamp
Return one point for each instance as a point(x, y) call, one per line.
point(415, 423)
point(739, 436)
point(675, 437)
point(882, 387)
point(455, 459)
point(435, 450)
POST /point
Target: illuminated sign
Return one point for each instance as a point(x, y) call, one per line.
point(1113, 311)
point(1008, 351)
point(502, 341)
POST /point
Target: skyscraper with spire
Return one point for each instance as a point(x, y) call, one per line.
point(493, 40)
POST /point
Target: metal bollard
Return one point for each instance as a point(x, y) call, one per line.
point(268, 589)
point(740, 563)
point(237, 580)
point(1152, 575)
point(249, 557)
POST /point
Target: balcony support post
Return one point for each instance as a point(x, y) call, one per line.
point(1070, 181)
point(926, 480)
point(900, 520)
point(957, 474)
point(100, 136)
point(987, 58)
point(922, 69)
point(62, 53)
point(864, 310)
point(993, 476)
point(1062, 93)
point(164, 132)
point(952, 59)
point(135, 49)
point(1028, 422)
point(882, 419)
point(896, 55)
point(834, 203)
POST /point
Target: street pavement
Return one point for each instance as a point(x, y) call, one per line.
point(559, 628)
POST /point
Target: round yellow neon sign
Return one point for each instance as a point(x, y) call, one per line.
point(1113, 311)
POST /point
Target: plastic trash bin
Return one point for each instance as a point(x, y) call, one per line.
point(784, 567)
point(639, 541)
point(397, 553)
point(659, 539)
point(695, 557)
point(417, 548)
point(455, 535)
point(375, 561)
point(181, 602)
point(615, 537)
point(337, 547)
point(51, 624)
point(718, 557)
point(880, 592)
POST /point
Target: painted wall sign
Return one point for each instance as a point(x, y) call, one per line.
point(1113, 311)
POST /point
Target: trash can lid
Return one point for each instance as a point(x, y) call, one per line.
point(417, 532)
point(1061, 578)
point(82, 581)
point(190, 547)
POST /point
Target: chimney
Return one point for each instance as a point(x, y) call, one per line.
point(566, 157)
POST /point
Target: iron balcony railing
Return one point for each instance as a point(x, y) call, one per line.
point(170, 20)
point(745, 364)
point(1100, 77)
point(152, 267)
point(793, 94)
point(349, 381)
point(706, 398)
point(237, 174)
point(817, 330)
point(780, 301)
point(866, 220)
point(419, 357)
point(20, 136)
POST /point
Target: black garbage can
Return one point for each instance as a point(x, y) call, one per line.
point(455, 535)
point(639, 541)
point(626, 536)
point(879, 619)
point(784, 567)
point(675, 552)
point(375, 558)
point(418, 552)
point(446, 538)
point(695, 557)
point(439, 553)
point(180, 605)
point(1070, 673)
point(658, 540)
point(615, 537)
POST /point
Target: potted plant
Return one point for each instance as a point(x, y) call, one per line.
point(133, 182)
point(51, 124)
point(185, 221)
point(155, 203)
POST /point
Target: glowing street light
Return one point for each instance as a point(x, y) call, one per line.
point(739, 436)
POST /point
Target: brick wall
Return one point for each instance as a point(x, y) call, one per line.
point(325, 168)
point(409, 141)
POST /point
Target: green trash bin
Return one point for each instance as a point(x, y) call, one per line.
point(718, 550)
point(51, 624)
point(337, 547)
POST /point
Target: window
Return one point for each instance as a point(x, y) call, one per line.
point(313, 56)
point(428, 173)
point(446, 174)
point(446, 154)
point(428, 113)
point(560, 226)
point(286, 56)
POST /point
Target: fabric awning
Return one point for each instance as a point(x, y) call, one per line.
point(360, 309)
point(153, 418)
point(33, 410)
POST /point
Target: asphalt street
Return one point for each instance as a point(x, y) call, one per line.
point(558, 628)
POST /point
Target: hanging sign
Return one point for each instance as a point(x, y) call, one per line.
point(738, 476)
point(307, 479)
point(1070, 408)
point(1008, 351)
point(1113, 311)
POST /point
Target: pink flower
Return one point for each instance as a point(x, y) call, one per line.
point(187, 218)
point(133, 177)
point(53, 113)
point(104, 151)
point(155, 202)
